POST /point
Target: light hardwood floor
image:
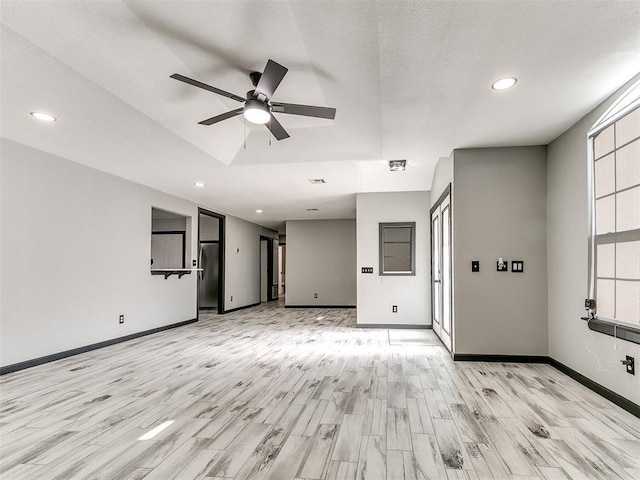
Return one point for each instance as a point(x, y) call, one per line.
point(274, 393)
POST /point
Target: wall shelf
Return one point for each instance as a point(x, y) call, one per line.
point(167, 272)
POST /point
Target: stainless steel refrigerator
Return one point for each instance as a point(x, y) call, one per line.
point(209, 257)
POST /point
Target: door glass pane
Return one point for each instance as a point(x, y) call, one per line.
point(628, 301)
point(628, 210)
point(605, 298)
point(627, 166)
point(606, 260)
point(446, 271)
point(605, 215)
point(435, 258)
point(628, 260)
point(605, 178)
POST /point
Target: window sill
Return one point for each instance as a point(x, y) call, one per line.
point(622, 332)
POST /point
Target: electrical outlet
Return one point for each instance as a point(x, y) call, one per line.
point(121, 319)
point(631, 365)
point(315, 295)
point(394, 309)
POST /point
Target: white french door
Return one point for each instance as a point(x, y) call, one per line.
point(441, 268)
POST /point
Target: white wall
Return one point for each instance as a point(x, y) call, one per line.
point(442, 177)
point(75, 253)
point(570, 341)
point(377, 294)
point(242, 262)
point(321, 258)
point(499, 203)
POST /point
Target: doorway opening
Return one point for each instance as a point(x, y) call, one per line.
point(210, 261)
point(269, 269)
point(441, 268)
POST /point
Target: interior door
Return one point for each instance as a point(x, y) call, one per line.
point(441, 269)
point(436, 273)
point(209, 253)
point(274, 270)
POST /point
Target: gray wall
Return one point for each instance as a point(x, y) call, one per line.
point(499, 204)
point(570, 342)
point(169, 224)
point(75, 253)
point(321, 258)
point(377, 294)
point(242, 262)
point(209, 228)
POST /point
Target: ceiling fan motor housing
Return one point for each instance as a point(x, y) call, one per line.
point(255, 78)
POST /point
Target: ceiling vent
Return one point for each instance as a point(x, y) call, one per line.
point(312, 210)
point(317, 181)
point(397, 165)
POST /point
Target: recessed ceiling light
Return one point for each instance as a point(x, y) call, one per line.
point(397, 165)
point(504, 83)
point(45, 117)
point(199, 184)
point(317, 181)
point(258, 211)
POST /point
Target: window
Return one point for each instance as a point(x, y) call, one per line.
point(615, 229)
point(397, 248)
point(168, 240)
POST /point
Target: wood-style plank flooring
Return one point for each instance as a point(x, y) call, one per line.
point(274, 393)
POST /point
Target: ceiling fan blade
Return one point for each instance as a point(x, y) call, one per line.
point(222, 116)
point(271, 78)
point(276, 129)
point(304, 110)
point(196, 83)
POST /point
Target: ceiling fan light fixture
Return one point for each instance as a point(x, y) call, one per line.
point(504, 83)
point(256, 112)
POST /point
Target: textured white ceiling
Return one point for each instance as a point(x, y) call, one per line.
point(409, 79)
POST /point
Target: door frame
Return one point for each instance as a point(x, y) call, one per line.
point(221, 256)
point(446, 193)
point(270, 272)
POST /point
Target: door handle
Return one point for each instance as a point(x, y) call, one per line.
point(436, 281)
point(201, 263)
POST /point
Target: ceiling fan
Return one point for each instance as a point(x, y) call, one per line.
point(258, 107)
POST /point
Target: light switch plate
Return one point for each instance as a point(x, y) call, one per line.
point(517, 266)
